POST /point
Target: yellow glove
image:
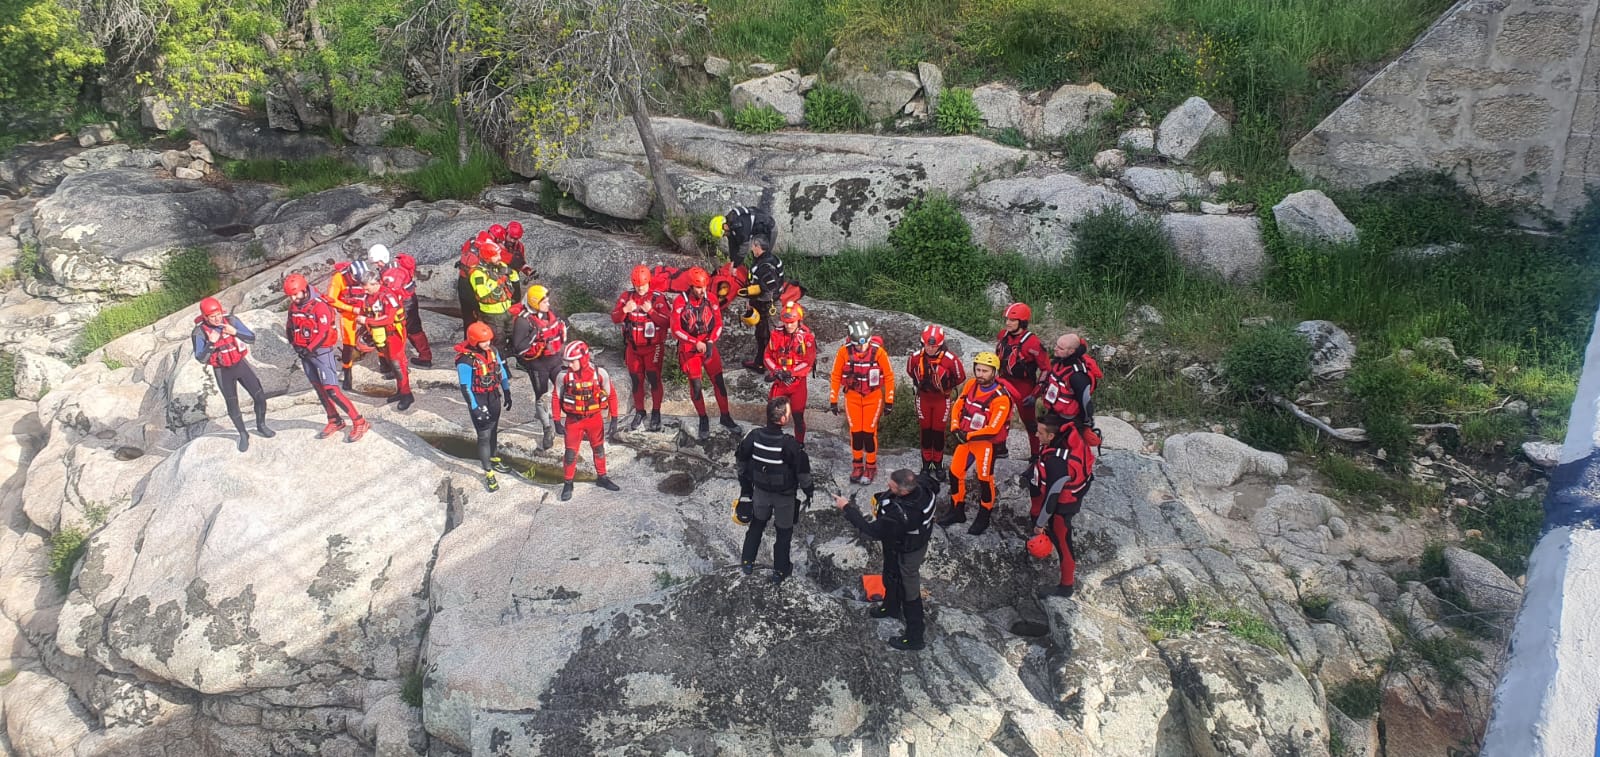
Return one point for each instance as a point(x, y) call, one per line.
point(752, 290)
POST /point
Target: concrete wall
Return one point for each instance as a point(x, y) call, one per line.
point(1503, 94)
point(1548, 701)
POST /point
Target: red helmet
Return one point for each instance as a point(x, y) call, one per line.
point(210, 306)
point(698, 277)
point(497, 233)
point(483, 238)
point(576, 351)
point(641, 275)
point(514, 230)
point(491, 252)
point(792, 312)
point(933, 335)
point(1019, 311)
point(1040, 547)
point(294, 285)
point(478, 333)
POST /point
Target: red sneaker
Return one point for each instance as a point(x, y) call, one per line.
point(333, 427)
point(359, 430)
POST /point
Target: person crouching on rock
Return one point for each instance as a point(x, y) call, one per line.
point(220, 341)
point(485, 385)
point(313, 331)
point(772, 466)
point(903, 522)
point(583, 396)
point(1060, 480)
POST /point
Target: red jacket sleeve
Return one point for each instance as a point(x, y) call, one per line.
point(678, 333)
point(616, 310)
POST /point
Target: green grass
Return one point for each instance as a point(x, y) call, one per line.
point(1445, 654)
point(445, 180)
point(787, 32)
point(66, 547)
point(1193, 615)
point(1510, 529)
point(1315, 606)
point(8, 376)
point(411, 689)
point(758, 119)
point(1369, 487)
point(186, 277)
point(575, 299)
point(298, 177)
point(1358, 698)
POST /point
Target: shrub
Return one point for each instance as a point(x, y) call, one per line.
point(758, 119)
point(446, 180)
point(934, 244)
point(185, 278)
point(1510, 529)
point(957, 113)
point(8, 376)
point(1270, 358)
point(1358, 698)
point(411, 689)
point(832, 109)
point(1126, 253)
point(298, 177)
point(66, 547)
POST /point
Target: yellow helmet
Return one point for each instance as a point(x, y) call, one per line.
point(718, 224)
point(751, 317)
point(742, 510)
point(987, 358)
point(535, 293)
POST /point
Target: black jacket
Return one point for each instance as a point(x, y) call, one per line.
point(1063, 474)
point(772, 461)
point(767, 271)
point(745, 224)
point(904, 524)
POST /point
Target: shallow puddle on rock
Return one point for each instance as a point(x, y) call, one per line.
point(467, 449)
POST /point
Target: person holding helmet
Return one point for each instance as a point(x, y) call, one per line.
point(1022, 357)
point(697, 325)
point(1060, 480)
point(222, 341)
point(401, 276)
point(862, 370)
point(981, 410)
point(494, 285)
point(583, 395)
point(903, 521)
point(935, 372)
point(486, 386)
point(646, 317)
point(765, 283)
point(741, 225)
point(347, 294)
point(537, 337)
point(313, 331)
point(791, 354)
point(465, 297)
point(517, 252)
point(772, 467)
point(1068, 389)
point(381, 328)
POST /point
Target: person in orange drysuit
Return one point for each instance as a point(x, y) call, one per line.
point(980, 411)
point(1022, 357)
point(862, 370)
point(935, 372)
point(582, 398)
point(348, 295)
point(791, 353)
point(646, 317)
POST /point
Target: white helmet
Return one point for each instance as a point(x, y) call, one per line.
point(378, 254)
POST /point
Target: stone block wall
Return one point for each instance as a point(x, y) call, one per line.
point(1502, 94)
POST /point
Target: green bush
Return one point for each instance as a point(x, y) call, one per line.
point(8, 376)
point(445, 180)
point(934, 243)
point(66, 547)
point(1270, 358)
point(1128, 254)
point(1358, 698)
point(1269, 428)
point(1510, 529)
point(758, 119)
point(185, 277)
point(833, 109)
point(957, 113)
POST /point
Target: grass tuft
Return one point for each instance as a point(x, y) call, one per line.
point(185, 277)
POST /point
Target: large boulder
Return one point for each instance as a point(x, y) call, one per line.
point(1186, 126)
point(1114, 681)
point(779, 91)
point(1240, 702)
point(36, 374)
point(1486, 587)
point(1310, 215)
point(284, 229)
point(1332, 352)
point(1074, 108)
point(606, 187)
point(1159, 186)
point(1003, 107)
point(1035, 215)
point(233, 134)
point(1229, 246)
point(883, 94)
point(371, 128)
point(1207, 459)
point(155, 113)
point(932, 79)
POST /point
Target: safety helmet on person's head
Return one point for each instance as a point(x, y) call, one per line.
point(378, 254)
point(987, 358)
point(210, 306)
point(514, 230)
point(535, 294)
point(578, 351)
point(1020, 312)
point(719, 226)
point(698, 277)
point(497, 233)
point(357, 271)
point(1039, 547)
point(859, 333)
point(933, 335)
point(294, 285)
point(483, 238)
point(478, 333)
point(640, 276)
point(491, 252)
point(792, 312)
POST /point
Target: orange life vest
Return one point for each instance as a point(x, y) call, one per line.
point(861, 371)
point(584, 395)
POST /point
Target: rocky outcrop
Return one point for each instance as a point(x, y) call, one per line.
point(1216, 460)
point(1186, 126)
point(883, 94)
point(1068, 110)
point(233, 134)
point(606, 188)
point(1310, 215)
point(1332, 352)
point(779, 91)
point(1034, 215)
point(1229, 246)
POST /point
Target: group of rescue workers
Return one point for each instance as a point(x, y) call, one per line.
point(370, 306)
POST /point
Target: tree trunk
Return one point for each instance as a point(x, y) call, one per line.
point(675, 220)
point(291, 88)
point(319, 39)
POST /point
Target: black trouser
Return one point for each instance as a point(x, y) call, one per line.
point(229, 380)
point(763, 329)
point(542, 372)
point(902, 576)
point(488, 430)
point(779, 507)
point(468, 300)
point(500, 324)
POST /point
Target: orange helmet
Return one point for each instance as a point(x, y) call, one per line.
point(1040, 547)
point(514, 230)
point(478, 333)
point(698, 277)
point(792, 312)
point(491, 252)
point(294, 285)
point(210, 306)
point(1019, 312)
point(497, 233)
point(933, 335)
point(641, 275)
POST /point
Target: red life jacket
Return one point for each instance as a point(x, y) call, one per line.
point(975, 405)
point(698, 320)
point(401, 275)
point(938, 374)
point(549, 333)
point(861, 372)
point(311, 323)
point(1018, 356)
point(485, 367)
point(226, 349)
point(1058, 394)
point(644, 329)
point(789, 350)
point(1077, 451)
point(584, 391)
